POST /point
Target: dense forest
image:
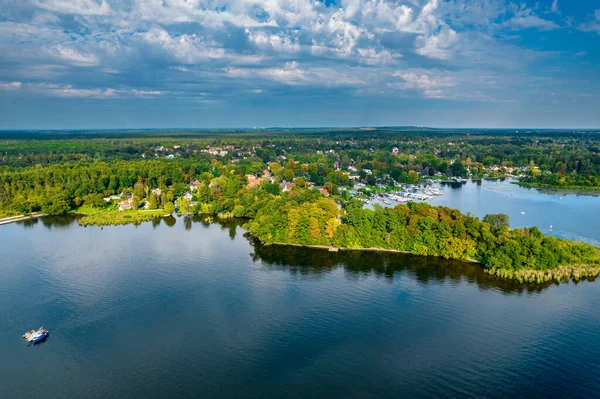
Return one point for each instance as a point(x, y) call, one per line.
point(417, 228)
point(550, 158)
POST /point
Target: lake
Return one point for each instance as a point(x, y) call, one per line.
point(186, 308)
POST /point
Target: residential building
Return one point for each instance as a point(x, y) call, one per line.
point(125, 205)
point(253, 180)
point(286, 186)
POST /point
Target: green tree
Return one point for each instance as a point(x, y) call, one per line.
point(135, 202)
point(152, 202)
point(458, 169)
point(497, 221)
point(169, 207)
point(183, 205)
point(58, 205)
point(413, 177)
point(139, 190)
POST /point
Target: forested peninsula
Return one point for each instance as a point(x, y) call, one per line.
point(287, 194)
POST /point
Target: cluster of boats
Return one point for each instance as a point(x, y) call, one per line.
point(36, 336)
point(410, 193)
point(404, 196)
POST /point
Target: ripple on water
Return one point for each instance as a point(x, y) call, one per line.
point(165, 311)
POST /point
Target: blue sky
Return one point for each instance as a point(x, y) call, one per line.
point(249, 63)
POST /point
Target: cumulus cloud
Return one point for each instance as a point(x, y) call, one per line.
point(184, 48)
point(208, 13)
point(108, 49)
point(278, 42)
point(80, 7)
point(438, 45)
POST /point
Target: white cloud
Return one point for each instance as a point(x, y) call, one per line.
point(185, 48)
point(290, 74)
point(280, 42)
point(293, 74)
point(593, 25)
point(525, 18)
point(372, 56)
point(430, 83)
point(481, 13)
point(73, 56)
point(68, 91)
point(10, 86)
point(71, 91)
point(146, 93)
point(438, 46)
point(212, 14)
point(435, 93)
point(152, 48)
point(423, 81)
point(80, 7)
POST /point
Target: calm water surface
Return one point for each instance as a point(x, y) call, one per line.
point(572, 216)
point(183, 308)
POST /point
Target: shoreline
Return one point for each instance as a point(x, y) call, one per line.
point(19, 218)
point(561, 274)
point(337, 249)
point(547, 189)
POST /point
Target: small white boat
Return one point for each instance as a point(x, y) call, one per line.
point(522, 213)
point(36, 336)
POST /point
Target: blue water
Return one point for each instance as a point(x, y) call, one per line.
point(572, 216)
point(184, 308)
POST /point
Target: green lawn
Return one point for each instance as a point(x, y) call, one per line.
point(89, 210)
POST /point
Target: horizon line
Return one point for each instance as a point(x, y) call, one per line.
point(362, 127)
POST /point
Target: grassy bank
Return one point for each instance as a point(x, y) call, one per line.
point(563, 273)
point(114, 218)
point(4, 215)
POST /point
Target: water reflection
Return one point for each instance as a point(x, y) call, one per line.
point(426, 270)
point(187, 222)
point(316, 262)
point(122, 308)
point(170, 221)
